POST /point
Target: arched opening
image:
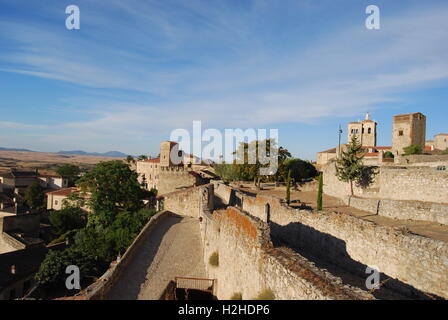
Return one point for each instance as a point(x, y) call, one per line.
point(267, 211)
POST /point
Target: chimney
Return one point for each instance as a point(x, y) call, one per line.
point(13, 269)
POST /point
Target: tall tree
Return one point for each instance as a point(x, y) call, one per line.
point(130, 160)
point(113, 186)
point(288, 188)
point(70, 172)
point(67, 219)
point(320, 192)
point(300, 169)
point(35, 196)
point(349, 165)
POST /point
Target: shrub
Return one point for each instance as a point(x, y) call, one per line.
point(412, 149)
point(389, 155)
point(237, 296)
point(214, 259)
point(320, 192)
point(266, 294)
point(288, 188)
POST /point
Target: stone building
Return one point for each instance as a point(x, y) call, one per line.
point(168, 172)
point(17, 270)
point(408, 129)
point(365, 130)
point(441, 141)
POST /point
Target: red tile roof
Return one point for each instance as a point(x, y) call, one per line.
point(370, 154)
point(63, 192)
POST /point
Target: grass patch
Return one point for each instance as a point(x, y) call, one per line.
point(214, 259)
point(237, 296)
point(266, 294)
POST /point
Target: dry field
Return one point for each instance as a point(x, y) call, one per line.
point(46, 161)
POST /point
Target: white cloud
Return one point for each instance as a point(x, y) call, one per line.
point(339, 74)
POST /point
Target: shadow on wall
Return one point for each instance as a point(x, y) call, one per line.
point(329, 252)
point(129, 284)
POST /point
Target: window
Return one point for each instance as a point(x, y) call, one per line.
point(56, 202)
point(400, 133)
point(362, 130)
point(369, 131)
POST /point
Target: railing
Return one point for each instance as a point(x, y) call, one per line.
point(195, 283)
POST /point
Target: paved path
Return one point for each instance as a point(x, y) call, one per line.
point(173, 249)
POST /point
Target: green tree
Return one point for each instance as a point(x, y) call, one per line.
point(349, 165)
point(446, 151)
point(142, 157)
point(247, 164)
point(288, 188)
point(130, 160)
point(67, 219)
point(70, 172)
point(320, 192)
point(35, 196)
point(52, 269)
point(113, 186)
point(300, 169)
point(412, 149)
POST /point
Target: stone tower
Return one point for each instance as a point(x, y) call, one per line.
point(365, 131)
point(169, 152)
point(408, 129)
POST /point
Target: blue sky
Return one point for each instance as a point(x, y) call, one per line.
point(136, 70)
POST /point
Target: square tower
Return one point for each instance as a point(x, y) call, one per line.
point(169, 153)
point(441, 141)
point(365, 131)
point(408, 129)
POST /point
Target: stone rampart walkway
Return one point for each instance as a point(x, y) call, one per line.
point(173, 249)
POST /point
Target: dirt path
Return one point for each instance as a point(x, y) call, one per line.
point(173, 249)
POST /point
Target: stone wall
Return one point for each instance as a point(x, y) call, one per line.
point(399, 209)
point(419, 184)
point(248, 263)
point(397, 183)
point(414, 263)
point(170, 179)
point(27, 223)
point(422, 158)
point(190, 202)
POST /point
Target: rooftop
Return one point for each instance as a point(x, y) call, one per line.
point(155, 160)
point(63, 192)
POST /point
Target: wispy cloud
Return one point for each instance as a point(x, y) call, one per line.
point(222, 65)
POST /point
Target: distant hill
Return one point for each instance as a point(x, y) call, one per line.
point(15, 149)
point(115, 154)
